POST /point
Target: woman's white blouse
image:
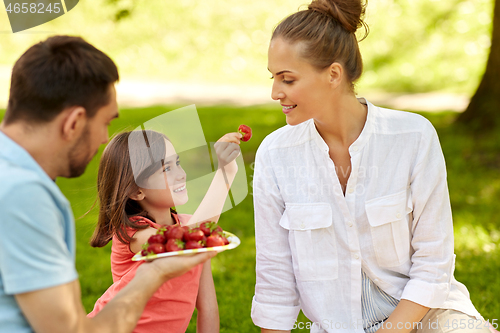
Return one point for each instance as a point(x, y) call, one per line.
point(394, 222)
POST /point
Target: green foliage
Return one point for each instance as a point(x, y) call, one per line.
point(472, 164)
point(413, 46)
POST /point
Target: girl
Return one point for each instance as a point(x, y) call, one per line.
point(352, 213)
point(140, 180)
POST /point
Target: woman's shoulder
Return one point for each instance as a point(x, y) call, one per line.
point(389, 121)
point(287, 136)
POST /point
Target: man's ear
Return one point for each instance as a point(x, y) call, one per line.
point(336, 73)
point(137, 195)
point(74, 122)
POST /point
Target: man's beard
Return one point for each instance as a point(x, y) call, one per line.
point(79, 156)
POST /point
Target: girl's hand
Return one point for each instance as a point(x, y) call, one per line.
point(227, 149)
point(233, 137)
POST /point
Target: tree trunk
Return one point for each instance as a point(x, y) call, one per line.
point(483, 112)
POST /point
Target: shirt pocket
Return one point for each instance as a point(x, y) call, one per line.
point(312, 241)
point(389, 218)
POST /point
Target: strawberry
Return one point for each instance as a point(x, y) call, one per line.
point(156, 248)
point(209, 227)
point(158, 238)
point(193, 245)
point(194, 234)
point(175, 232)
point(214, 240)
point(246, 132)
point(217, 231)
point(186, 229)
point(226, 241)
point(164, 230)
point(174, 245)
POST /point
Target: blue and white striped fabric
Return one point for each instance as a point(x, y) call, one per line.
point(376, 304)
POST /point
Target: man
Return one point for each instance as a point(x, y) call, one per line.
point(61, 101)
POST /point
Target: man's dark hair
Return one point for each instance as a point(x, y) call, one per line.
point(60, 72)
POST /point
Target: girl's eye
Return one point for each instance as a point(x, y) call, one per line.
point(272, 77)
point(178, 162)
point(166, 169)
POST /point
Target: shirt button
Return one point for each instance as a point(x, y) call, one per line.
point(350, 190)
point(302, 226)
point(356, 256)
point(349, 223)
point(398, 215)
point(355, 148)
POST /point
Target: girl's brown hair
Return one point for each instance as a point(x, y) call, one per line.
point(327, 29)
point(138, 153)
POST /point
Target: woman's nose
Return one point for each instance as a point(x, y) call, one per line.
point(276, 92)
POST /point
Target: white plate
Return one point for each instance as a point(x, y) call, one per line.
point(234, 241)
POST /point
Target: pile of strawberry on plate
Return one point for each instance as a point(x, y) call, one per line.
point(176, 240)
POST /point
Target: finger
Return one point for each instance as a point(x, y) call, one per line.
point(233, 137)
point(202, 257)
point(234, 154)
point(229, 154)
point(226, 148)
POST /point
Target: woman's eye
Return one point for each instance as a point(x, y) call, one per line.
point(166, 169)
point(287, 82)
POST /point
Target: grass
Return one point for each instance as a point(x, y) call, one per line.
point(473, 167)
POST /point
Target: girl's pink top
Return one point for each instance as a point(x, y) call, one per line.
point(170, 309)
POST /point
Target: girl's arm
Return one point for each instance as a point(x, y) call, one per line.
point(210, 208)
point(206, 303)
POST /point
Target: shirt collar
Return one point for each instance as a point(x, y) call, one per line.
point(11, 152)
point(362, 138)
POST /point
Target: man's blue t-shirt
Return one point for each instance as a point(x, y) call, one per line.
point(37, 233)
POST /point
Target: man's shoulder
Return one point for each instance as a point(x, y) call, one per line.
point(12, 176)
point(16, 180)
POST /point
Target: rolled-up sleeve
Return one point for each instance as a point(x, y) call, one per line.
point(432, 227)
point(276, 301)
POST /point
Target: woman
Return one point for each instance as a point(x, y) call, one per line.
point(352, 212)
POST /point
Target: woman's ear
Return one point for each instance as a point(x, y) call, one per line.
point(336, 72)
point(137, 195)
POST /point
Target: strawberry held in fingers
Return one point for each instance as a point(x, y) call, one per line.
point(246, 132)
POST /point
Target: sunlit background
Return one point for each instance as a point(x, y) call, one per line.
point(413, 46)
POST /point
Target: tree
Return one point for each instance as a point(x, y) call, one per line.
point(483, 112)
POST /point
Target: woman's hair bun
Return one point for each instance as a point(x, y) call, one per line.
point(349, 13)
